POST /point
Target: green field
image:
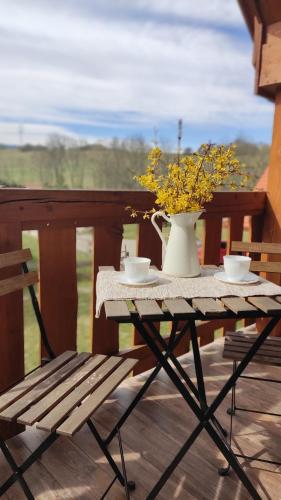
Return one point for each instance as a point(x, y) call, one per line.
point(70, 165)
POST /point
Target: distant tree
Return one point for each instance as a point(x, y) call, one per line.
point(255, 156)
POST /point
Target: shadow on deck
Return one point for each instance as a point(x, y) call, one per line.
point(75, 469)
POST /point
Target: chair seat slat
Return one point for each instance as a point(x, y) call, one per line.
point(40, 390)
point(53, 398)
point(237, 356)
point(73, 423)
point(237, 344)
point(240, 336)
point(242, 347)
point(34, 378)
point(60, 412)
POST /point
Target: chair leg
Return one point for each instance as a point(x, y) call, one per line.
point(223, 471)
point(231, 410)
point(128, 485)
point(10, 459)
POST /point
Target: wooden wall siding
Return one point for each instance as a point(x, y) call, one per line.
point(58, 286)
point(107, 251)
point(272, 225)
point(56, 215)
point(263, 18)
point(270, 69)
point(272, 219)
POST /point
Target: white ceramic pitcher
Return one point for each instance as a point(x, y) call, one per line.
point(181, 253)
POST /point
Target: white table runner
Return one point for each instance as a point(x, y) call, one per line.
point(107, 288)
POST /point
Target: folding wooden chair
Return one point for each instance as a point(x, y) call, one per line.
point(237, 344)
point(62, 394)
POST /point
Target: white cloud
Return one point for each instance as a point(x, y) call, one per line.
point(63, 63)
point(216, 11)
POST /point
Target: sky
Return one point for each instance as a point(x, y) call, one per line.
point(97, 69)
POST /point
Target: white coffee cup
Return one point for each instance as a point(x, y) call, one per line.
point(136, 268)
point(236, 266)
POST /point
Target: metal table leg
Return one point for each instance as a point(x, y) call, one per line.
point(204, 416)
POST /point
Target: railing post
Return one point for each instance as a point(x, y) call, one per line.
point(107, 252)
point(11, 331)
point(58, 286)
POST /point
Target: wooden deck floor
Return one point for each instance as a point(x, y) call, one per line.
point(152, 435)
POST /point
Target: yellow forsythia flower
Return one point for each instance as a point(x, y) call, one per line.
point(188, 183)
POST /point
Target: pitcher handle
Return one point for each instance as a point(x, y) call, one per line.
point(153, 217)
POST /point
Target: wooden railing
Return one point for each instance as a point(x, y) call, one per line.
point(56, 215)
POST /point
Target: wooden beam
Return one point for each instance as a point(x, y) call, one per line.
point(43, 209)
point(272, 220)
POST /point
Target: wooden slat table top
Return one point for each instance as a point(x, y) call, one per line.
point(209, 306)
point(202, 307)
point(149, 309)
point(238, 304)
point(117, 309)
point(265, 304)
point(179, 308)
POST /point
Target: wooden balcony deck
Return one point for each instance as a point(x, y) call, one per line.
point(75, 469)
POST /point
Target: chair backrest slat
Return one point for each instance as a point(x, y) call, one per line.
point(11, 281)
point(18, 282)
point(256, 247)
point(13, 258)
point(266, 267)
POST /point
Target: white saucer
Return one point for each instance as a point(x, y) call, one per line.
point(249, 279)
point(151, 279)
